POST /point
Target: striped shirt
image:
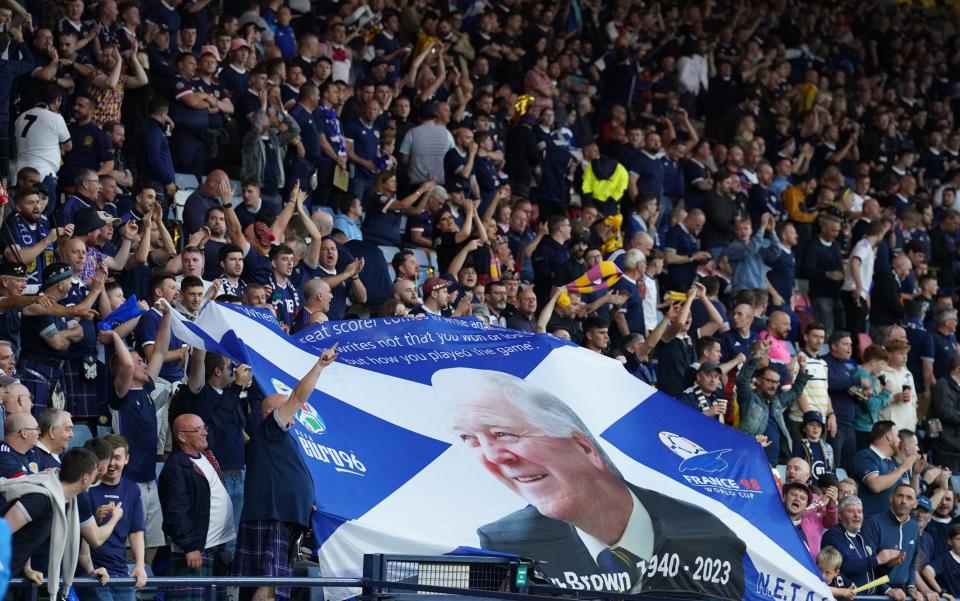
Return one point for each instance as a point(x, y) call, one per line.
point(426, 145)
point(815, 393)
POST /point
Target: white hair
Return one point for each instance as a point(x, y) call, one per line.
point(459, 385)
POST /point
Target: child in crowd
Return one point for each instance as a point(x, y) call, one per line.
point(812, 447)
point(876, 393)
point(828, 561)
point(943, 573)
point(388, 142)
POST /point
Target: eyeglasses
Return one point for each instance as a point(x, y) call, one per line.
point(195, 430)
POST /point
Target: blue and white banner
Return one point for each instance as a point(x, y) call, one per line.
point(430, 434)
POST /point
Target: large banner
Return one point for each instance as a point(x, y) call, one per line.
point(430, 434)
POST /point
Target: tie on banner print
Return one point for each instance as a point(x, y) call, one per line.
point(430, 434)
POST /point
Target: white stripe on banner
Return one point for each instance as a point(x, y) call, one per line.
point(448, 498)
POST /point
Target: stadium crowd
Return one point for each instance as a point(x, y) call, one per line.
point(752, 205)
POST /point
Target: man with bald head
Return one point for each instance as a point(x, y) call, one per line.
point(17, 399)
point(278, 495)
point(21, 434)
point(197, 512)
point(405, 291)
point(317, 296)
point(214, 192)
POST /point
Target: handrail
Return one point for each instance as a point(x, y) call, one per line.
point(319, 581)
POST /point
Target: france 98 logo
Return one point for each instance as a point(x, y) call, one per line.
point(307, 416)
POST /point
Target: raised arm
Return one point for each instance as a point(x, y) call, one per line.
point(161, 344)
point(300, 394)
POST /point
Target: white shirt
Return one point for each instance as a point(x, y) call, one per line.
point(694, 73)
point(815, 393)
point(637, 536)
point(39, 133)
point(864, 251)
point(220, 527)
point(902, 414)
point(650, 302)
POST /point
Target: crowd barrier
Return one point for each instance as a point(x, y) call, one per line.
point(407, 578)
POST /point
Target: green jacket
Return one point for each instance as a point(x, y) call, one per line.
point(755, 410)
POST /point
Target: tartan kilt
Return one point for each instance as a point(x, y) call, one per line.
point(263, 549)
point(40, 380)
point(85, 398)
point(178, 567)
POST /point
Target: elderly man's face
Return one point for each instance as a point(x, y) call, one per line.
point(851, 517)
point(556, 475)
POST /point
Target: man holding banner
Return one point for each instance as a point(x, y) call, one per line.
point(278, 491)
point(593, 529)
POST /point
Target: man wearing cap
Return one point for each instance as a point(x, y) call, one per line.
point(436, 298)
point(46, 340)
point(28, 239)
point(234, 77)
point(162, 60)
point(95, 229)
point(13, 282)
point(811, 447)
point(705, 394)
point(207, 66)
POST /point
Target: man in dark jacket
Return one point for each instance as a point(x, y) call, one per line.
point(946, 407)
point(723, 208)
point(192, 494)
point(840, 380)
point(886, 305)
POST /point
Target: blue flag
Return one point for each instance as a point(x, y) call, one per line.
point(125, 312)
point(431, 434)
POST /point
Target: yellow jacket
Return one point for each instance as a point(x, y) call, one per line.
point(602, 189)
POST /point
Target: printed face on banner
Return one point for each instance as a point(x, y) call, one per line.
point(433, 434)
point(585, 520)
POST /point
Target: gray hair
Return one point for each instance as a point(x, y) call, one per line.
point(848, 501)
point(49, 419)
point(439, 192)
point(632, 258)
point(539, 407)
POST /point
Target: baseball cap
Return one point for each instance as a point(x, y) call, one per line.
point(13, 270)
point(55, 273)
point(455, 187)
point(923, 502)
point(210, 49)
point(237, 43)
point(88, 220)
point(709, 366)
point(813, 416)
point(434, 284)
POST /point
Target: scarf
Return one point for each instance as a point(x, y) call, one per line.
point(704, 401)
point(65, 530)
point(599, 277)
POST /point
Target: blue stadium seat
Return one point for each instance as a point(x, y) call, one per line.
point(186, 181)
point(81, 434)
point(388, 252)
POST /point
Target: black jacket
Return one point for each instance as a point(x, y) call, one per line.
point(885, 306)
point(185, 498)
point(678, 528)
